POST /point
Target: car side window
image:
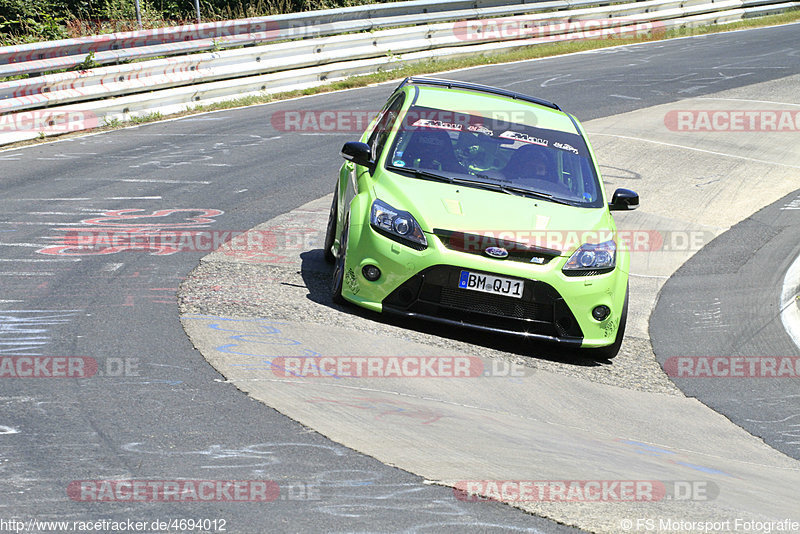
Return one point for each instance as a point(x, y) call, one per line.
point(377, 140)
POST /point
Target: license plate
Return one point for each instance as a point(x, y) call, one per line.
point(491, 284)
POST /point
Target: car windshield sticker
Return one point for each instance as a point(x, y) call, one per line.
point(499, 127)
point(441, 125)
point(480, 128)
point(523, 137)
point(566, 146)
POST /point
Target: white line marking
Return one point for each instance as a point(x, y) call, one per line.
point(44, 199)
point(21, 245)
point(132, 180)
point(747, 100)
point(80, 199)
point(42, 260)
point(9, 302)
point(7, 430)
point(626, 97)
point(67, 155)
point(26, 273)
point(111, 267)
point(50, 213)
point(528, 80)
point(697, 149)
point(46, 311)
point(41, 223)
point(202, 119)
point(648, 275)
point(790, 312)
point(133, 198)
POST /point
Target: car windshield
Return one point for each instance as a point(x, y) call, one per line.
point(493, 150)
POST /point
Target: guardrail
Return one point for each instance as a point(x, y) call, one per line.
point(278, 27)
point(173, 83)
point(115, 48)
point(97, 83)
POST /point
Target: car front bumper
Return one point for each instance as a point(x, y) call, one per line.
point(424, 284)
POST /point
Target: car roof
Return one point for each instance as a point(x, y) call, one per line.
point(456, 84)
point(464, 97)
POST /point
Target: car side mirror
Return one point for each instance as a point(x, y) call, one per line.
point(624, 199)
point(358, 153)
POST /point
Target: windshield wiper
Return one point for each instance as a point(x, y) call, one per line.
point(537, 194)
point(509, 190)
point(449, 179)
point(420, 173)
point(512, 190)
point(489, 185)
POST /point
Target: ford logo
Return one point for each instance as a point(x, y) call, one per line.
point(496, 252)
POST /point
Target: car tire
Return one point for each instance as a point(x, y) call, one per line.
point(338, 270)
point(609, 352)
point(330, 232)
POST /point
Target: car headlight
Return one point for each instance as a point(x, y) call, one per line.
point(396, 224)
point(589, 259)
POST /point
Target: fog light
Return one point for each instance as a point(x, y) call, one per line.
point(371, 272)
point(601, 312)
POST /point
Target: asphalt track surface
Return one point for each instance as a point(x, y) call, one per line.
point(168, 415)
point(726, 302)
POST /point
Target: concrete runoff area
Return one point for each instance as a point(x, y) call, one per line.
point(243, 308)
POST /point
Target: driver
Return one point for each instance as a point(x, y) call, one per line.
point(531, 162)
point(431, 148)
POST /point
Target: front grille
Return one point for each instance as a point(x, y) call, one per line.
point(434, 293)
point(486, 303)
point(477, 244)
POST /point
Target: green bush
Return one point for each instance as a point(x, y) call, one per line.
point(43, 20)
point(32, 20)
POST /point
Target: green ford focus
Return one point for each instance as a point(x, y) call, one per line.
point(479, 207)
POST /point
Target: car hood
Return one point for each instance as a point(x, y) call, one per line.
point(457, 208)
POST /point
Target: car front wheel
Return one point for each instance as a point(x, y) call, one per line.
point(338, 270)
point(330, 233)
